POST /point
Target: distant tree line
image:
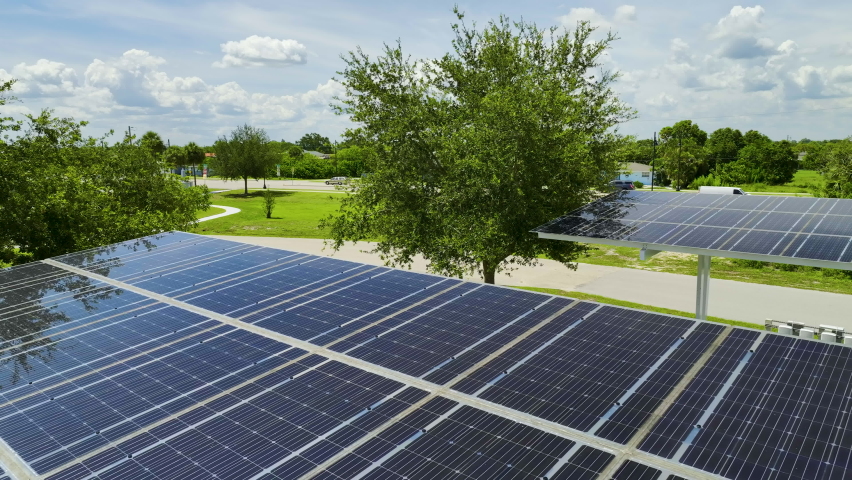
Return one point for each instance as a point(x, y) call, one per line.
point(687, 156)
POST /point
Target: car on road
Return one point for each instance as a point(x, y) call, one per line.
point(337, 181)
point(622, 185)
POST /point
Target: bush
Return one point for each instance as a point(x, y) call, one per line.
point(708, 180)
point(638, 184)
point(268, 202)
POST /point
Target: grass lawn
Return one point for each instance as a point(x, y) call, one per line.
point(802, 182)
point(825, 280)
point(209, 212)
point(296, 215)
point(638, 306)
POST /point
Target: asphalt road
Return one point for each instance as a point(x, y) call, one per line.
point(747, 302)
point(307, 185)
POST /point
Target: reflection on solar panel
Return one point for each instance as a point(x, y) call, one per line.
point(799, 229)
point(181, 356)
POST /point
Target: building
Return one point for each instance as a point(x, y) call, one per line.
point(318, 154)
point(635, 172)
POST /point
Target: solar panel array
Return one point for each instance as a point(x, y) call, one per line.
point(182, 356)
point(777, 226)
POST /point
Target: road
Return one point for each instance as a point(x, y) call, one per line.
point(747, 302)
point(306, 185)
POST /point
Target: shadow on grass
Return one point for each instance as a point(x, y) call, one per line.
point(256, 194)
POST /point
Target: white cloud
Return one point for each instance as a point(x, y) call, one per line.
point(842, 74)
point(44, 78)
point(625, 13)
point(741, 48)
point(739, 22)
point(584, 14)
point(256, 51)
point(806, 82)
point(662, 101)
point(787, 47)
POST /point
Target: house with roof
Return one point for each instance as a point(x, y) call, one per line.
point(635, 172)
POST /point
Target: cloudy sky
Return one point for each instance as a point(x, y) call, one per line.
point(194, 70)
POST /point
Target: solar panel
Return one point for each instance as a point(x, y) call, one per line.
point(180, 356)
point(796, 228)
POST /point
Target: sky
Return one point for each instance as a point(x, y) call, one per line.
point(193, 71)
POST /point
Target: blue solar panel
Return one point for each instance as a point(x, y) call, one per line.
point(631, 470)
point(294, 416)
point(599, 371)
point(792, 227)
point(97, 381)
point(427, 341)
point(446, 440)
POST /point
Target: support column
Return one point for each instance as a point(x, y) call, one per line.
point(703, 287)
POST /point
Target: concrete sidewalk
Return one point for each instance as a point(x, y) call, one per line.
point(747, 302)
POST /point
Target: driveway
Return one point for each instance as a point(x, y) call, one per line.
point(748, 302)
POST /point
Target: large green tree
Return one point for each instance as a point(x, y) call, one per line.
point(836, 165)
point(511, 129)
point(722, 147)
point(637, 151)
point(175, 156)
point(62, 192)
point(315, 142)
point(682, 147)
point(244, 154)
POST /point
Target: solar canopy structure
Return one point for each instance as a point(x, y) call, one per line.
point(183, 357)
point(796, 230)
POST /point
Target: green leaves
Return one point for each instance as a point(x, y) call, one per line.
point(245, 153)
point(836, 161)
point(511, 129)
point(61, 192)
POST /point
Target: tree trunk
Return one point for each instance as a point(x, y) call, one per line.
point(488, 271)
point(245, 180)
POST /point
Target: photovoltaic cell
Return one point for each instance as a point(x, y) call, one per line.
point(289, 418)
point(759, 225)
point(117, 385)
point(579, 376)
point(636, 471)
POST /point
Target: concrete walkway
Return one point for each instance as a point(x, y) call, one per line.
point(747, 302)
point(228, 211)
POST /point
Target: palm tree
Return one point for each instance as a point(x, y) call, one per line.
point(194, 155)
point(152, 141)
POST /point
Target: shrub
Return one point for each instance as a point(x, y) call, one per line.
point(638, 184)
point(268, 202)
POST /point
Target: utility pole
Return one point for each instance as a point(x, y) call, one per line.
point(129, 134)
point(653, 161)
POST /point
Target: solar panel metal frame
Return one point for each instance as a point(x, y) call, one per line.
point(653, 247)
point(592, 440)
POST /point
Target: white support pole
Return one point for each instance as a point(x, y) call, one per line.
point(703, 287)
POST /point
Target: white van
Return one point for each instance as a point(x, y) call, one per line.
point(722, 190)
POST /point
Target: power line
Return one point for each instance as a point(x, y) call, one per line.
point(744, 115)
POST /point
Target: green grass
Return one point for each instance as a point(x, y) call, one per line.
point(802, 182)
point(296, 215)
point(639, 306)
point(808, 278)
point(209, 212)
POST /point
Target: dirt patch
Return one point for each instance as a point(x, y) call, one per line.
point(675, 256)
